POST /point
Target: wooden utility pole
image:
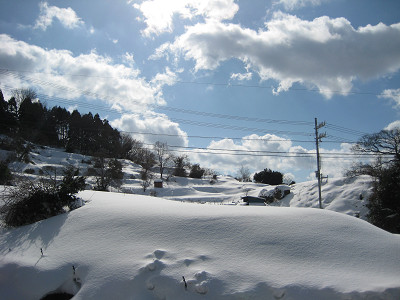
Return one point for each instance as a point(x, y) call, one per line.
point(318, 138)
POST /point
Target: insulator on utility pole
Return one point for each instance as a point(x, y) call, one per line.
point(318, 138)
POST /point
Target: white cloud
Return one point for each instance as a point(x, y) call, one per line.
point(152, 128)
point(392, 94)
point(66, 16)
point(241, 76)
point(166, 78)
point(324, 53)
point(60, 73)
point(129, 59)
point(335, 162)
point(257, 159)
point(273, 152)
point(393, 125)
point(72, 108)
point(294, 4)
point(159, 14)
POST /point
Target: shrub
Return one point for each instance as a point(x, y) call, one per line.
point(196, 171)
point(34, 201)
point(180, 162)
point(278, 193)
point(108, 172)
point(268, 176)
point(5, 174)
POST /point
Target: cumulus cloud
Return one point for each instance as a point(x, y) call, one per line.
point(294, 4)
point(152, 128)
point(392, 94)
point(60, 73)
point(326, 53)
point(273, 152)
point(393, 125)
point(66, 16)
point(262, 151)
point(158, 14)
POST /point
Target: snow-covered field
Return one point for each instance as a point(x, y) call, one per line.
point(133, 246)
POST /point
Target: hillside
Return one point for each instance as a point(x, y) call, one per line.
point(130, 246)
point(343, 195)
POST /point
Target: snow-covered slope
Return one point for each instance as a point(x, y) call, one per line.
point(127, 245)
point(343, 195)
point(137, 247)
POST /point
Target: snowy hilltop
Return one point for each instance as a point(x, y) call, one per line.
point(194, 239)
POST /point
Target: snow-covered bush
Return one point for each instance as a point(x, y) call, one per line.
point(278, 193)
point(32, 201)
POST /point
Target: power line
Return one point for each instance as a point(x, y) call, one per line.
point(191, 122)
point(181, 110)
point(207, 124)
point(225, 84)
point(345, 130)
point(169, 108)
point(286, 153)
point(231, 138)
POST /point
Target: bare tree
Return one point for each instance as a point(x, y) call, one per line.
point(108, 172)
point(244, 174)
point(126, 143)
point(21, 94)
point(148, 160)
point(137, 152)
point(385, 143)
point(163, 156)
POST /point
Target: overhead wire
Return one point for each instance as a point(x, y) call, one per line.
point(334, 139)
point(226, 84)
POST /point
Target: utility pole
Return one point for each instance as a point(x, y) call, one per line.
point(318, 138)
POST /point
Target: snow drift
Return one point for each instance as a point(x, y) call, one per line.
point(122, 246)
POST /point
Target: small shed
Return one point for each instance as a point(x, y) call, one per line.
point(158, 183)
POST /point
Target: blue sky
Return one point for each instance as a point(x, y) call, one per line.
point(245, 77)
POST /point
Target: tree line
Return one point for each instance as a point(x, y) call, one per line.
point(24, 118)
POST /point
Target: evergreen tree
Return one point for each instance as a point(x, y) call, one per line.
point(181, 163)
point(196, 171)
point(61, 118)
point(7, 121)
point(268, 176)
point(31, 116)
point(74, 142)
